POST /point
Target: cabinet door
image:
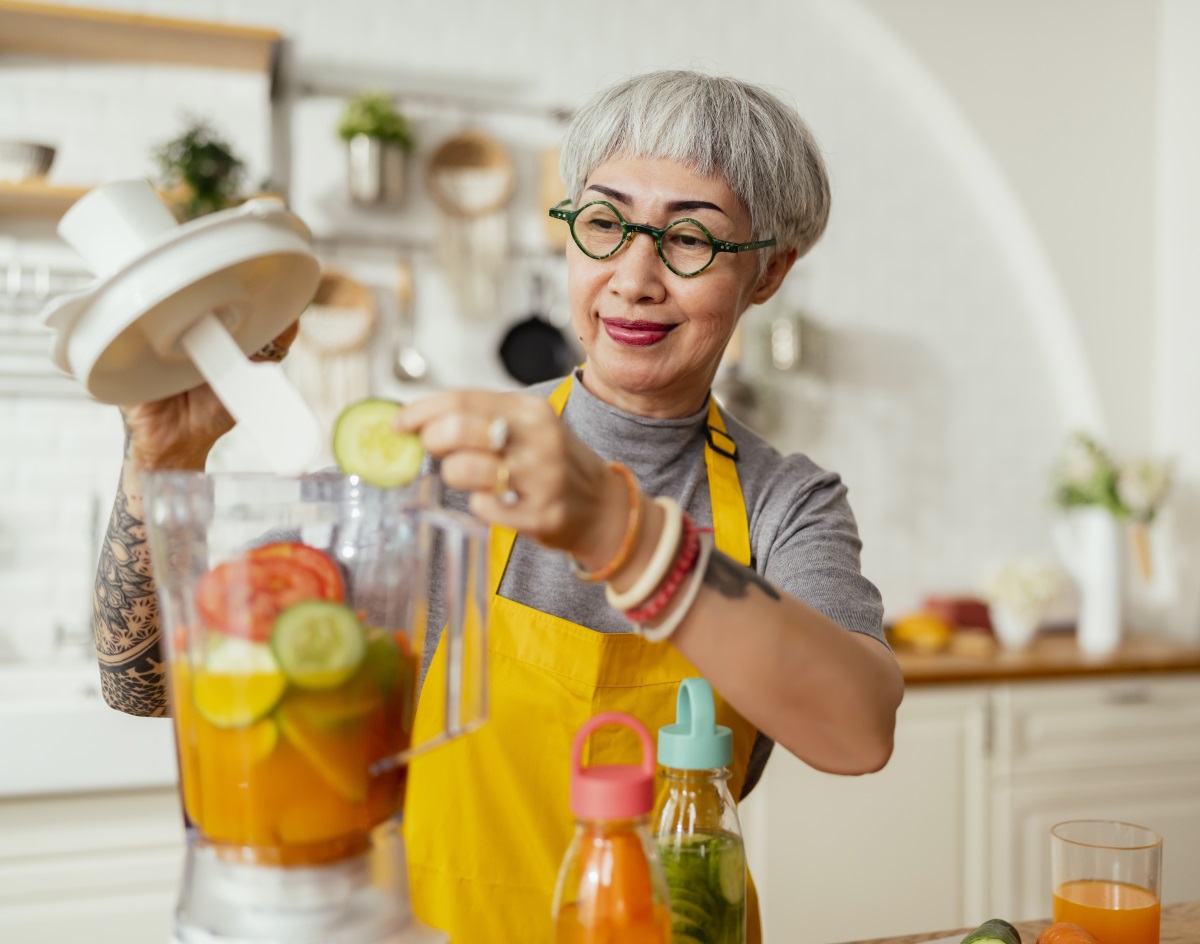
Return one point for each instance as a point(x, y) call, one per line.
point(100, 868)
point(1165, 799)
point(899, 851)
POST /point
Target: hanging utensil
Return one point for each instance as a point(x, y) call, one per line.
point(408, 363)
point(471, 177)
point(533, 349)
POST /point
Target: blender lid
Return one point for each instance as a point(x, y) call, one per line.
point(252, 266)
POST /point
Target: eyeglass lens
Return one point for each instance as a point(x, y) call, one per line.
point(685, 246)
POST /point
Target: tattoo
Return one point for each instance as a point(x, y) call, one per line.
point(125, 616)
point(732, 580)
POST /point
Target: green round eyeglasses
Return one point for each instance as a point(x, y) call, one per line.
point(685, 246)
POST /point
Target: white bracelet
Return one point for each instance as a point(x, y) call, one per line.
point(696, 579)
point(656, 571)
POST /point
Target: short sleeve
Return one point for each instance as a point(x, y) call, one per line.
point(806, 544)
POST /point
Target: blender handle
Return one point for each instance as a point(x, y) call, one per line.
point(464, 635)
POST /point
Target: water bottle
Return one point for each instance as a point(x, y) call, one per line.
point(695, 822)
point(611, 886)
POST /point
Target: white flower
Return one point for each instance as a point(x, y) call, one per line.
point(1025, 587)
point(1082, 462)
point(1142, 486)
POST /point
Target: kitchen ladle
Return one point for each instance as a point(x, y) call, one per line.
point(408, 364)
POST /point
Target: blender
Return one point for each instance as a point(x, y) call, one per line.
point(294, 608)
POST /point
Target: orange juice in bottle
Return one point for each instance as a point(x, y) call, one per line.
point(611, 888)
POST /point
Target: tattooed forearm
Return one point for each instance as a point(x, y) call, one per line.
point(125, 613)
point(732, 580)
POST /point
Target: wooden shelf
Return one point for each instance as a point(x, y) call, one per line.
point(82, 33)
point(37, 199)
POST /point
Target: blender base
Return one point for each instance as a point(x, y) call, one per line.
point(361, 900)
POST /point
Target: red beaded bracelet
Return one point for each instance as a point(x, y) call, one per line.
point(689, 551)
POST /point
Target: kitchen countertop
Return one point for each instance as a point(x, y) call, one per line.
point(1180, 925)
point(1052, 655)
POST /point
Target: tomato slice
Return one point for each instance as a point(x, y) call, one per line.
point(243, 596)
point(330, 575)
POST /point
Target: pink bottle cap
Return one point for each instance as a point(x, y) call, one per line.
point(612, 791)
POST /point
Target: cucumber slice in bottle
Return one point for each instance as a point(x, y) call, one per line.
point(318, 644)
point(731, 871)
point(364, 444)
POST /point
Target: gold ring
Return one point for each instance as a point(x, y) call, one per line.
point(272, 351)
point(501, 489)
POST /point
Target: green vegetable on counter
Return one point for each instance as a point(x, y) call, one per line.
point(993, 931)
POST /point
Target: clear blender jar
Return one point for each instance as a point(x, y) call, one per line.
point(293, 751)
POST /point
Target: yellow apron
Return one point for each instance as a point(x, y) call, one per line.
point(487, 821)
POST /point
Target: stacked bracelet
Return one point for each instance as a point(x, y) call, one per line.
point(683, 567)
point(660, 562)
point(679, 614)
point(631, 532)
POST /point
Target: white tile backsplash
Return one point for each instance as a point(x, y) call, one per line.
point(934, 401)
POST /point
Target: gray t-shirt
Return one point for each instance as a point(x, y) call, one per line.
point(803, 537)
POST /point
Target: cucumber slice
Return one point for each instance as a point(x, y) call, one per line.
point(364, 444)
point(731, 872)
point(993, 931)
point(318, 644)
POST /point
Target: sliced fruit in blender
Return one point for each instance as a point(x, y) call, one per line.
point(320, 563)
point(243, 596)
point(319, 644)
point(366, 445)
point(240, 682)
point(339, 759)
point(338, 708)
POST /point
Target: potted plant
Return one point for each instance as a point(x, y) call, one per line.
point(378, 139)
point(199, 172)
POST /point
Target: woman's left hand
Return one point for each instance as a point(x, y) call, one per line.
point(524, 468)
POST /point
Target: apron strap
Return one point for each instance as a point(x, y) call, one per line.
point(731, 528)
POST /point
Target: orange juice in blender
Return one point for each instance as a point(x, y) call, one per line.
point(293, 667)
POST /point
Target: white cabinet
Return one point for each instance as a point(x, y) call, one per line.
point(1126, 749)
point(900, 851)
point(956, 828)
point(100, 868)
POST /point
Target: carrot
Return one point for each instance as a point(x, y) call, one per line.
point(1063, 932)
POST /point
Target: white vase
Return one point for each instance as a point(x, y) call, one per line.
point(1089, 542)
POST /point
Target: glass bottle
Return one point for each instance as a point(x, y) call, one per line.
point(611, 886)
point(695, 822)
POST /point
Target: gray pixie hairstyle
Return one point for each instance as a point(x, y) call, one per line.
point(720, 127)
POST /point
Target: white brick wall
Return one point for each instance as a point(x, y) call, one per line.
point(937, 407)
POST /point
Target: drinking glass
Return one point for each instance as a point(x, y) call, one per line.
point(1107, 877)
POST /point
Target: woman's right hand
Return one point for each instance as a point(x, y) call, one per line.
point(179, 431)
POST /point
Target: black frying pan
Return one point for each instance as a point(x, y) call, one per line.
point(533, 349)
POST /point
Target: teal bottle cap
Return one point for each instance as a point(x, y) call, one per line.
point(695, 741)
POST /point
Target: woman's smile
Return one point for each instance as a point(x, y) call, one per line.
point(636, 333)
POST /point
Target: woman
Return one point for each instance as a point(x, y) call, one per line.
point(778, 617)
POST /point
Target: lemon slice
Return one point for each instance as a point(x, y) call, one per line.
point(240, 683)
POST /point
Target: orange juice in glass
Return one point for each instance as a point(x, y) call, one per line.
point(1107, 877)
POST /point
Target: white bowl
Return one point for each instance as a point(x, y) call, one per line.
point(20, 160)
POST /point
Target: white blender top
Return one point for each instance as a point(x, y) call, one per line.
point(175, 305)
